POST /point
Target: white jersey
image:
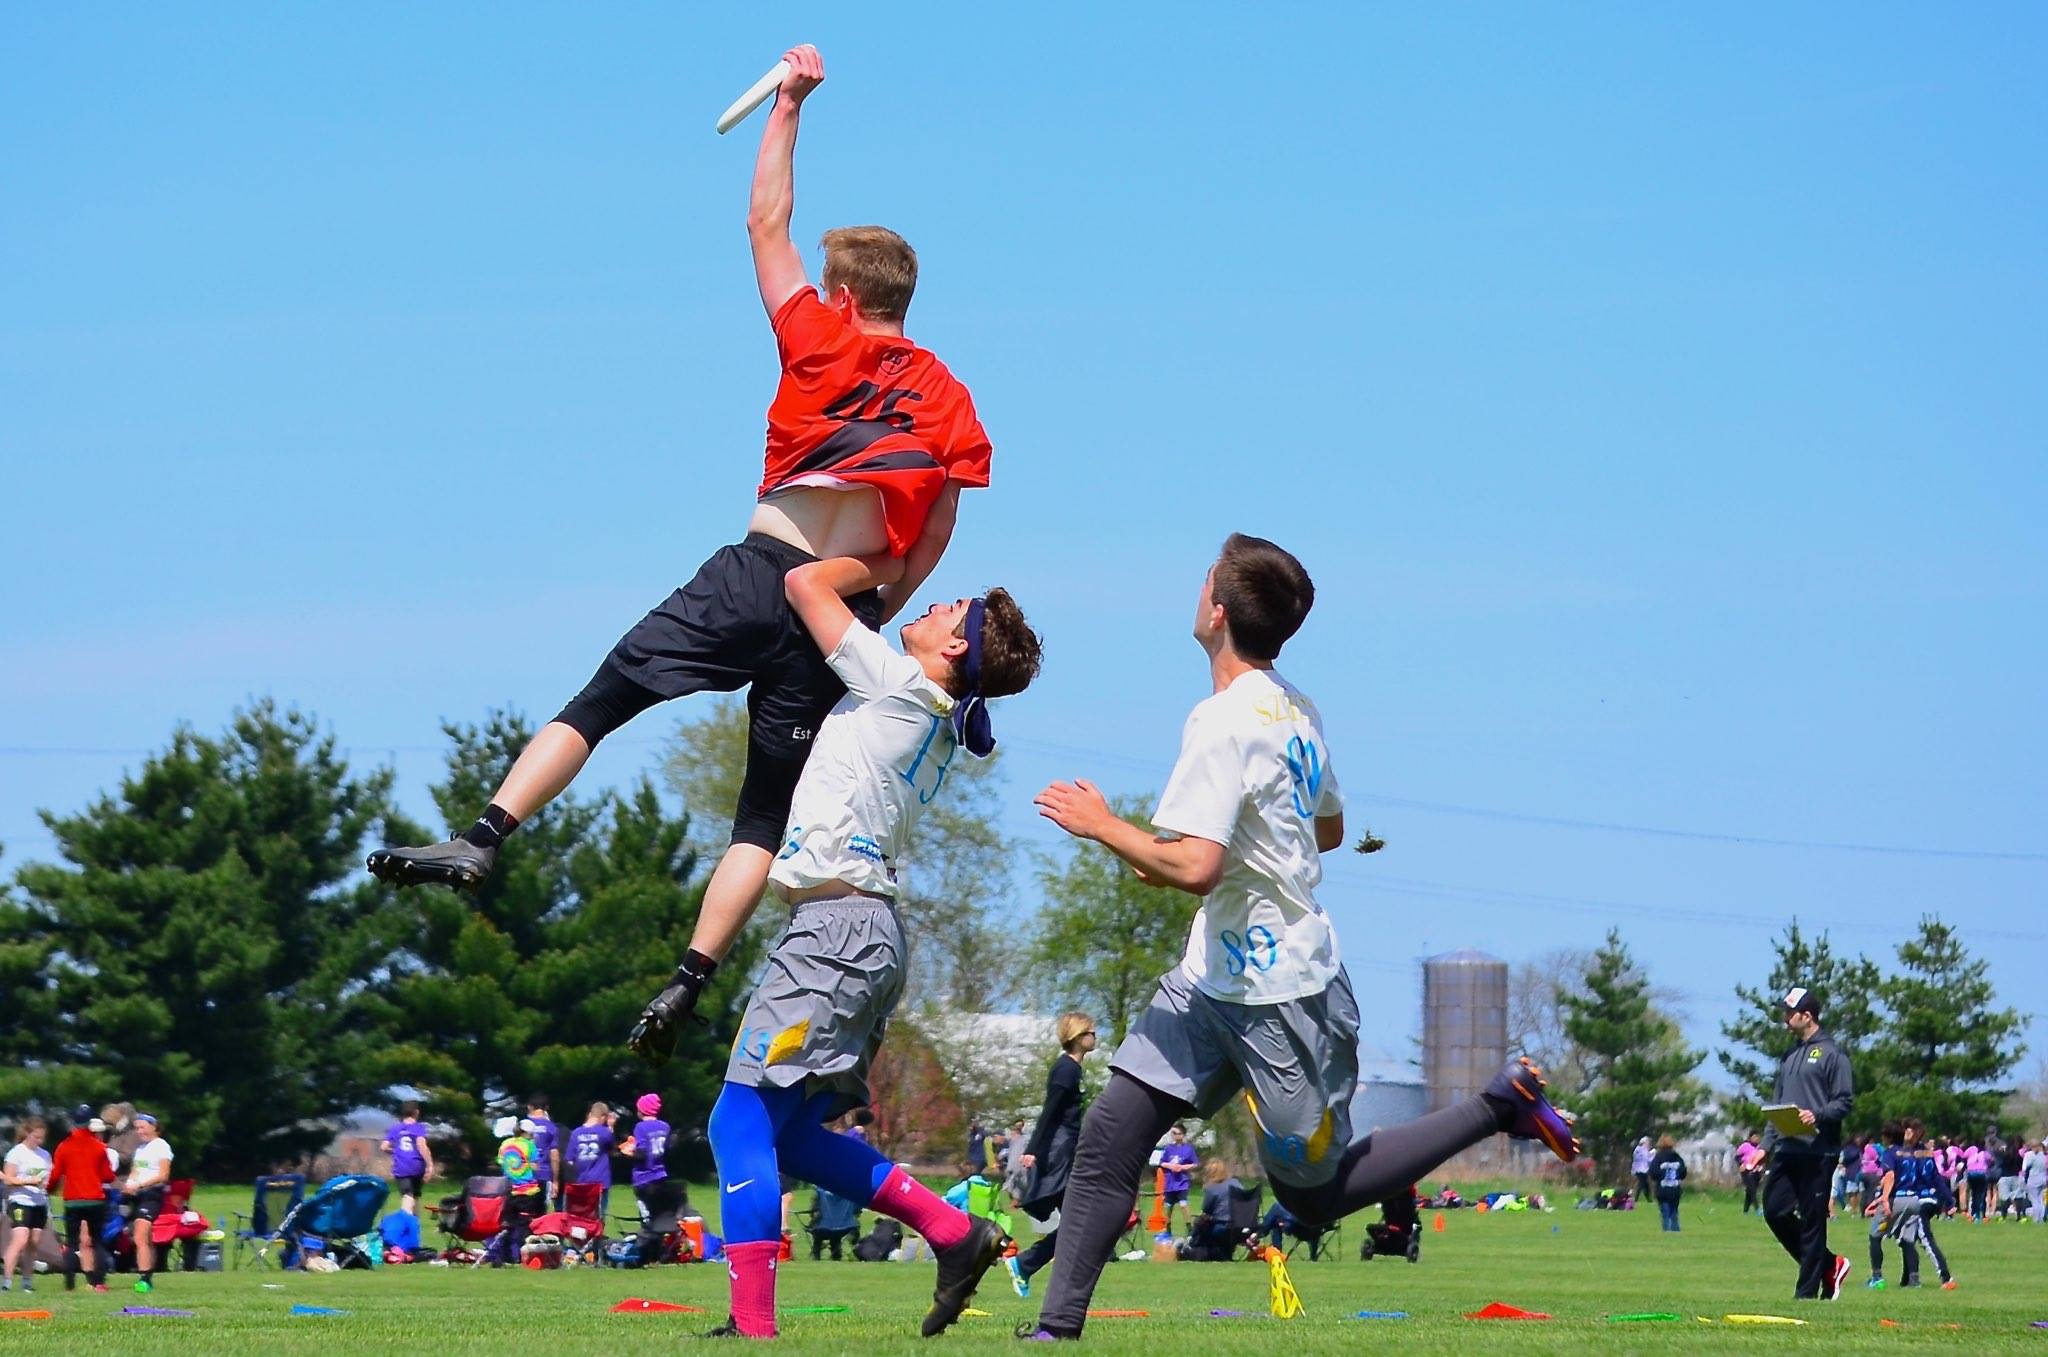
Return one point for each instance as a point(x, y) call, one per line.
point(24, 1161)
point(1253, 774)
point(877, 762)
point(145, 1161)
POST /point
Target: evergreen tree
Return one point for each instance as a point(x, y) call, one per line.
point(531, 985)
point(1848, 991)
point(1944, 1050)
point(1103, 937)
point(206, 948)
point(1639, 1072)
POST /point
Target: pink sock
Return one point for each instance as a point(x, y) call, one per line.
point(752, 1269)
point(917, 1206)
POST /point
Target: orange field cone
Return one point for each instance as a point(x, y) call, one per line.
point(1438, 1223)
point(1157, 1220)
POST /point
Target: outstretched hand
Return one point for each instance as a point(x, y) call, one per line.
point(1077, 807)
point(806, 73)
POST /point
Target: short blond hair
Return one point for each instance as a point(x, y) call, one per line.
point(1072, 1027)
point(874, 264)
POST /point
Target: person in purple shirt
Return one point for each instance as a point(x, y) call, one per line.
point(587, 1157)
point(412, 1162)
point(648, 1149)
point(1178, 1159)
point(547, 1147)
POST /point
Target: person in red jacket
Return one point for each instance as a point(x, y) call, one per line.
point(80, 1171)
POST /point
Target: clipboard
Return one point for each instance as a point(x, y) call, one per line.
point(1784, 1118)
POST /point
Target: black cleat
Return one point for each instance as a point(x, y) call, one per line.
point(458, 863)
point(729, 1329)
point(961, 1269)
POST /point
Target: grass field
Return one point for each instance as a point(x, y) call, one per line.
point(1578, 1266)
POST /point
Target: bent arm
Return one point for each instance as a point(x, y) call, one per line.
point(923, 556)
point(1188, 864)
point(1841, 1089)
point(817, 593)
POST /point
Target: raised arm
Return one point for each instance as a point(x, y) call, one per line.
point(778, 268)
point(924, 553)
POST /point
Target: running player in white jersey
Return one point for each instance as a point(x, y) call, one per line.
point(813, 1025)
point(1260, 1004)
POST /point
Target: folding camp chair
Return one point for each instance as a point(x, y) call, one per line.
point(333, 1217)
point(478, 1215)
point(277, 1195)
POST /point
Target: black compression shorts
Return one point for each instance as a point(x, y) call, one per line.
point(729, 628)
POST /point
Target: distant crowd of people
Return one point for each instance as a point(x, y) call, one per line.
point(109, 1168)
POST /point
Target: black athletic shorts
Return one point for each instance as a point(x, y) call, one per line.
point(87, 1218)
point(729, 628)
point(148, 1202)
point(408, 1185)
point(25, 1217)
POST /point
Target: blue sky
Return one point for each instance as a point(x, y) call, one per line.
point(1655, 396)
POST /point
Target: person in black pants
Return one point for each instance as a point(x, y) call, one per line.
point(1667, 1179)
point(1050, 1154)
point(1750, 1156)
point(1815, 1078)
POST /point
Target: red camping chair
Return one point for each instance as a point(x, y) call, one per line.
point(478, 1216)
point(578, 1228)
point(177, 1221)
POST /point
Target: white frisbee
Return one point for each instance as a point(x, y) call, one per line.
point(756, 95)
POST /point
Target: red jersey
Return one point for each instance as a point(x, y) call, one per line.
point(862, 409)
point(79, 1170)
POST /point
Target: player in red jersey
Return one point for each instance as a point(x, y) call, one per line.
point(870, 440)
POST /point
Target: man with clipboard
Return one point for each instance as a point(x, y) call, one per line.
point(1803, 1136)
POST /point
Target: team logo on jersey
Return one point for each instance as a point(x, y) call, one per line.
point(894, 361)
point(1812, 1054)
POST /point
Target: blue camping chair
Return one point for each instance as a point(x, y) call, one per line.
point(330, 1220)
point(277, 1196)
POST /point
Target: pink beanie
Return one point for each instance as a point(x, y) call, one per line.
point(649, 1105)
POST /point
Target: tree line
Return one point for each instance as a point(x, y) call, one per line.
point(206, 946)
point(1926, 1037)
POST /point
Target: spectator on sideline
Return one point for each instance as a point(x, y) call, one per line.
point(1667, 1179)
point(1014, 1172)
point(149, 1173)
point(1977, 1178)
point(26, 1173)
point(1639, 1164)
point(1049, 1156)
point(1178, 1159)
point(648, 1149)
point(589, 1156)
point(116, 1126)
point(1871, 1168)
point(412, 1160)
point(1749, 1160)
point(517, 1160)
point(1815, 1078)
point(79, 1171)
point(547, 1148)
point(2010, 1195)
point(1209, 1237)
point(2034, 1177)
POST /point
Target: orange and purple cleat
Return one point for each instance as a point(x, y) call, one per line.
point(1520, 1086)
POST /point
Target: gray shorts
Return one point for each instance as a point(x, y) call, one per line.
point(1295, 1062)
point(816, 1019)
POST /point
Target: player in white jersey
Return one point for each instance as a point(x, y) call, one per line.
point(813, 1024)
point(1260, 1004)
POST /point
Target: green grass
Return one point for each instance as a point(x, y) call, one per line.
point(1578, 1266)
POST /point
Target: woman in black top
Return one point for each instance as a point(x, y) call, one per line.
point(1667, 1179)
point(1050, 1154)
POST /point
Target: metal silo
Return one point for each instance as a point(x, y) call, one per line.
point(1464, 1024)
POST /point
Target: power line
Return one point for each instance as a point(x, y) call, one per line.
point(1706, 836)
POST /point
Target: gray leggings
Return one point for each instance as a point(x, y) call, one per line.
point(1129, 1118)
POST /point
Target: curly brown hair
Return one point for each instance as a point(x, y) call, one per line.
point(1010, 649)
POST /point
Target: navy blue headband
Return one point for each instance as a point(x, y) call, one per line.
point(970, 715)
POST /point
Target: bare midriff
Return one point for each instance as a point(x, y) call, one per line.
point(824, 521)
point(825, 890)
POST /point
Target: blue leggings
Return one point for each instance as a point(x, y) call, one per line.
point(756, 1133)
